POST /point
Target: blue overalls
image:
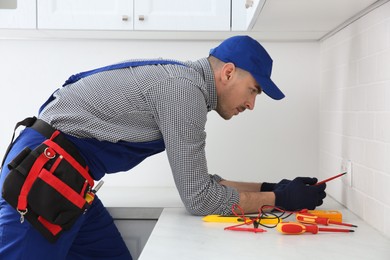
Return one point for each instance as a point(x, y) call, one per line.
point(94, 236)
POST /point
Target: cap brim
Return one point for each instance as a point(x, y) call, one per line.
point(269, 87)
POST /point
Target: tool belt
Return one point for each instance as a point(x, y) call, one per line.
point(49, 186)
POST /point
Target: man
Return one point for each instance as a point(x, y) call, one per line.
point(117, 116)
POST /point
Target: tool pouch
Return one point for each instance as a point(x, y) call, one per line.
point(48, 186)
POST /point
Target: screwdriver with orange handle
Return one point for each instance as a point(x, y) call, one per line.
point(308, 218)
point(294, 228)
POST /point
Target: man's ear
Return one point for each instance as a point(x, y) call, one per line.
point(227, 71)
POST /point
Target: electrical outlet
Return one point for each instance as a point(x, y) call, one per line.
point(346, 166)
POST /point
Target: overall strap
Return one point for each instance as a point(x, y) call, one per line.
point(76, 77)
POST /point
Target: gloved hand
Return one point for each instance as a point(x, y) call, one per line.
point(268, 186)
point(300, 193)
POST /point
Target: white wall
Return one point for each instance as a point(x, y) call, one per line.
point(276, 140)
point(355, 115)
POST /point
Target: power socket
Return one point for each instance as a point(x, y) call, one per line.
point(346, 166)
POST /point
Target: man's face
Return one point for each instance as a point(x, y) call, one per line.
point(237, 93)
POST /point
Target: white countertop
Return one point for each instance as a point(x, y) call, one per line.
point(178, 235)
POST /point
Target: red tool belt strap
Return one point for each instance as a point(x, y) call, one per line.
point(37, 171)
point(31, 177)
point(75, 164)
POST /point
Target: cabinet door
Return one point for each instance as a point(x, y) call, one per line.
point(183, 15)
point(135, 233)
point(245, 13)
point(20, 14)
point(85, 15)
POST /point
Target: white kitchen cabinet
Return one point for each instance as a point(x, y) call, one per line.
point(135, 225)
point(85, 15)
point(182, 15)
point(17, 14)
point(135, 233)
point(245, 13)
point(147, 15)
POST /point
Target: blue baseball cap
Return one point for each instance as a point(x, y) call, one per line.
point(248, 54)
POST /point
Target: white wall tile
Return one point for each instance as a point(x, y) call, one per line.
point(383, 72)
point(387, 94)
point(367, 69)
point(382, 127)
point(363, 179)
point(375, 155)
point(352, 69)
point(365, 125)
point(376, 96)
point(377, 32)
point(374, 213)
point(387, 161)
point(355, 99)
point(355, 117)
point(355, 201)
point(350, 124)
point(331, 121)
point(386, 228)
point(330, 102)
point(330, 164)
point(381, 187)
point(354, 149)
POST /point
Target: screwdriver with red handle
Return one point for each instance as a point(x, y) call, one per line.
point(294, 228)
point(308, 218)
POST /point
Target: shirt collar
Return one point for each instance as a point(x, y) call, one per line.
point(203, 66)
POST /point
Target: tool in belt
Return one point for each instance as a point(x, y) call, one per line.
point(50, 186)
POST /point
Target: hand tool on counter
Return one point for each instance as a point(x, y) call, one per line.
point(307, 218)
point(330, 214)
point(247, 220)
point(271, 220)
point(238, 228)
point(294, 228)
point(331, 178)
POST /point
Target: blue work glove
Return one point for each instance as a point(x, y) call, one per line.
point(268, 186)
point(300, 193)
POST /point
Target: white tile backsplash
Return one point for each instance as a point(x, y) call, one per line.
point(383, 65)
point(365, 125)
point(375, 155)
point(355, 201)
point(381, 186)
point(387, 156)
point(363, 179)
point(376, 97)
point(386, 228)
point(382, 127)
point(355, 115)
point(354, 150)
point(367, 69)
point(374, 213)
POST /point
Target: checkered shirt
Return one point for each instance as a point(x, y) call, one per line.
point(147, 103)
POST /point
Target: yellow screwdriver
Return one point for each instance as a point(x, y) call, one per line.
point(312, 219)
